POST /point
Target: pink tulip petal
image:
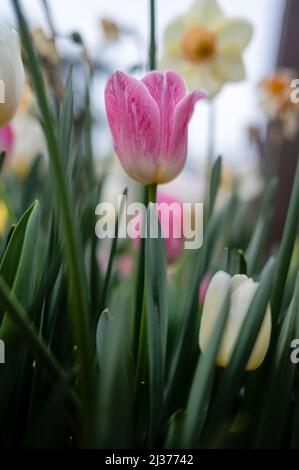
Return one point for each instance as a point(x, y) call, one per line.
point(134, 120)
point(179, 138)
point(167, 90)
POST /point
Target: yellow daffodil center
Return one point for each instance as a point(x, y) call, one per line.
point(276, 85)
point(198, 44)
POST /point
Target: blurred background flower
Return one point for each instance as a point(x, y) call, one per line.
point(276, 101)
point(12, 73)
point(23, 138)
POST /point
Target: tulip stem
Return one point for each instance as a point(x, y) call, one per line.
point(152, 193)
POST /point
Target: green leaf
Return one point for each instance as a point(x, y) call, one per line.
point(173, 436)
point(214, 185)
point(18, 270)
point(66, 122)
point(111, 259)
point(31, 184)
point(276, 403)
point(233, 262)
point(113, 427)
point(255, 247)
point(286, 249)
point(199, 398)
point(295, 427)
point(26, 331)
point(17, 266)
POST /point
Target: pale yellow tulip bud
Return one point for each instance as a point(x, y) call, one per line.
point(242, 293)
point(12, 75)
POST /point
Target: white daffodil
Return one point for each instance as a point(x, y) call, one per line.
point(242, 292)
point(206, 47)
point(12, 75)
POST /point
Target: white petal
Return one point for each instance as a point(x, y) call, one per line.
point(207, 78)
point(262, 343)
point(214, 299)
point(206, 13)
point(238, 280)
point(173, 35)
point(233, 36)
point(240, 301)
point(229, 69)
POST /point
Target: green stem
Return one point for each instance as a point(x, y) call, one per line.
point(286, 248)
point(139, 286)
point(152, 48)
point(72, 248)
point(152, 193)
point(49, 18)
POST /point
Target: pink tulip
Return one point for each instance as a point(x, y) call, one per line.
point(7, 139)
point(149, 120)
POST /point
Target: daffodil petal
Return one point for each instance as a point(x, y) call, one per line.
point(173, 35)
point(206, 12)
point(206, 79)
point(233, 36)
point(229, 69)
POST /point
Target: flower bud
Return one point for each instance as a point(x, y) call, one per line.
point(243, 290)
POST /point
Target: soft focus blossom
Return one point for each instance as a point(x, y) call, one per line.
point(45, 47)
point(7, 139)
point(149, 120)
point(243, 290)
point(28, 138)
point(111, 30)
point(170, 216)
point(206, 47)
point(125, 265)
point(245, 178)
point(174, 244)
point(12, 75)
point(190, 185)
point(3, 218)
point(277, 104)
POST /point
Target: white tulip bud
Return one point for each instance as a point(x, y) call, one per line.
point(242, 292)
point(12, 75)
